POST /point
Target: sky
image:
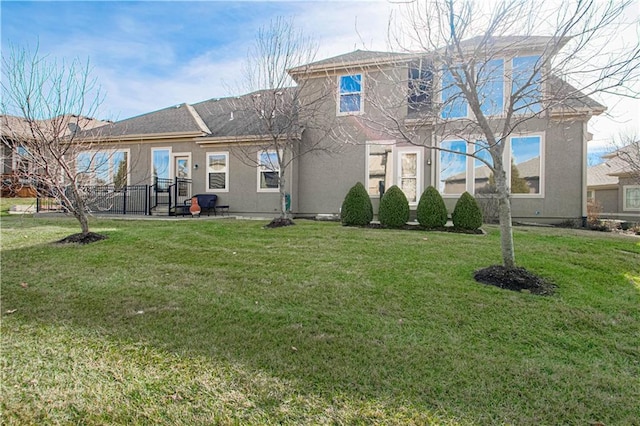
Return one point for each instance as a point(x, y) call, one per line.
point(148, 55)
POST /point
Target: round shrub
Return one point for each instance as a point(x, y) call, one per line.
point(431, 213)
point(356, 207)
point(467, 214)
point(394, 208)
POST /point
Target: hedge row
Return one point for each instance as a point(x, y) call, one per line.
point(394, 209)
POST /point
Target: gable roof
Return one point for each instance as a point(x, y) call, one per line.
point(214, 118)
point(172, 120)
point(236, 116)
point(357, 58)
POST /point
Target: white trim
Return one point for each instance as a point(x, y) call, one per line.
point(226, 171)
point(168, 148)
point(419, 166)
point(625, 188)
point(437, 166)
point(173, 163)
point(506, 159)
point(259, 171)
point(339, 95)
point(541, 183)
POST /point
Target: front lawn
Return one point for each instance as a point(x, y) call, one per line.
point(224, 322)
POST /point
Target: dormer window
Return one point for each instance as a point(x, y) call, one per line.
point(350, 94)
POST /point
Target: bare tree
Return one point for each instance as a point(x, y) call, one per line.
point(45, 106)
point(278, 109)
point(461, 85)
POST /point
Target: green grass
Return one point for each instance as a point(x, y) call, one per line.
point(224, 322)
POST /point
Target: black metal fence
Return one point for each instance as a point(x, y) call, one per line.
point(130, 199)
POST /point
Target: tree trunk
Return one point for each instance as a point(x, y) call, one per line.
point(506, 223)
point(283, 196)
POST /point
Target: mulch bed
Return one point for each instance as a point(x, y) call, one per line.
point(279, 222)
point(515, 279)
point(81, 238)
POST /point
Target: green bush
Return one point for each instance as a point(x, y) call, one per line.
point(467, 214)
point(431, 213)
point(356, 207)
point(394, 208)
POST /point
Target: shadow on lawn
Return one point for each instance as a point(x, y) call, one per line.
point(387, 353)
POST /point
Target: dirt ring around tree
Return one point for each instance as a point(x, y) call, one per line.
point(515, 279)
point(81, 238)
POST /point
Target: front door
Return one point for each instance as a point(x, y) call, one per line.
point(183, 171)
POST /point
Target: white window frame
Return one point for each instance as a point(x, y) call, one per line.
point(506, 159)
point(109, 153)
point(419, 166)
point(260, 169)
point(625, 207)
point(226, 171)
point(340, 94)
point(468, 168)
point(508, 149)
point(159, 148)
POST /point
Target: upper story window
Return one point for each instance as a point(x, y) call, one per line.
point(454, 104)
point(350, 91)
point(420, 86)
point(491, 86)
point(526, 75)
point(217, 171)
point(526, 85)
point(268, 171)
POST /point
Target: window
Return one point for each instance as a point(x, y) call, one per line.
point(491, 87)
point(525, 164)
point(631, 197)
point(217, 171)
point(483, 179)
point(22, 162)
point(268, 171)
point(409, 164)
point(379, 168)
point(523, 78)
point(452, 169)
point(420, 83)
point(454, 104)
point(161, 170)
point(350, 99)
point(103, 168)
point(457, 173)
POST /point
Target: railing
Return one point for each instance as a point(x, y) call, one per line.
point(179, 192)
point(130, 199)
point(105, 199)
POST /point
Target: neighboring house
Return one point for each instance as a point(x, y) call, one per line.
point(200, 142)
point(18, 169)
point(614, 185)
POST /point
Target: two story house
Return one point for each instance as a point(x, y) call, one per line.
point(387, 112)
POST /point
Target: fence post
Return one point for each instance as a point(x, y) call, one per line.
point(124, 199)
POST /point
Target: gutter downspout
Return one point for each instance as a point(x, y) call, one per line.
point(585, 140)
